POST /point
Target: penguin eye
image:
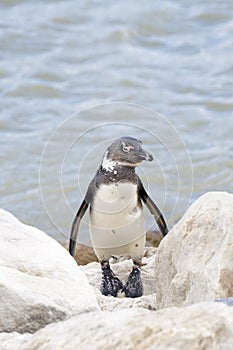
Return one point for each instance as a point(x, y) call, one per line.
point(126, 148)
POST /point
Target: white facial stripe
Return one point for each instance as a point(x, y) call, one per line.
point(108, 164)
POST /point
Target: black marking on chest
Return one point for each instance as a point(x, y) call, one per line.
point(120, 174)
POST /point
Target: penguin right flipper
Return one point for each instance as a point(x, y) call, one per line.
point(75, 226)
point(78, 217)
point(154, 210)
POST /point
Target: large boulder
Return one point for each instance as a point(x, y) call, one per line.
point(196, 327)
point(39, 281)
point(194, 262)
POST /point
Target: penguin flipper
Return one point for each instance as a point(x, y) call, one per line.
point(75, 226)
point(152, 207)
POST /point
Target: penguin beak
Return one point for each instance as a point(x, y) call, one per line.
point(143, 155)
point(149, 157)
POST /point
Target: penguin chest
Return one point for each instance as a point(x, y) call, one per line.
point(116, 216)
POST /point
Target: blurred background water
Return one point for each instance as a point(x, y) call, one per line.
point(67, 58)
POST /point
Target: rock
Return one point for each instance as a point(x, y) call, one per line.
point(194, 262)
point(153, 238)
point(112, 304)
point(13, 341)
point(196, 327)
point(39, 281)
point(84, 254)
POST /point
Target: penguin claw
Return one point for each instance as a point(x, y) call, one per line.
point(133, 287)
point(110, 284)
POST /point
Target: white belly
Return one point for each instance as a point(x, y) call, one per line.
point(116, 221)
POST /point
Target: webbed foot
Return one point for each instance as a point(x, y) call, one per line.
point(110, 284)
point(133, 287)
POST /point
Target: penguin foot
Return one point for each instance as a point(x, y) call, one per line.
point(133, 287)
point(110, 284)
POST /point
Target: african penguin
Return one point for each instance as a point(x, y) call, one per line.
point(115, 196)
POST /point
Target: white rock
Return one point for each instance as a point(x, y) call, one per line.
point(194, 262)
point(13, 341)
point(39, 281)
point(196, 327)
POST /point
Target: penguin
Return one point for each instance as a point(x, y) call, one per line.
point(115, 196)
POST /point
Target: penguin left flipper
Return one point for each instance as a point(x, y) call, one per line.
point(154, 210)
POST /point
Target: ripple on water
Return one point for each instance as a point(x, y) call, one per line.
point(48, 76)
point(38, 91)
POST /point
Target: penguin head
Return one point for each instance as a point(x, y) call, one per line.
point(126, 151)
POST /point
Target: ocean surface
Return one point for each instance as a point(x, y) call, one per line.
point(76, 75)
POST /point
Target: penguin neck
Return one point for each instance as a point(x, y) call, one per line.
point(118, 168)
point(120, 173)
point(110, 166)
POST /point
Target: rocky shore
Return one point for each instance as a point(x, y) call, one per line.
point(48, 302)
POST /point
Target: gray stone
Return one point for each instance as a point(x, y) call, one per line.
point(227, 301)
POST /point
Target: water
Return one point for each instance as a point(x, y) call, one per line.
point(58, 58)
